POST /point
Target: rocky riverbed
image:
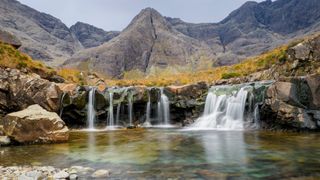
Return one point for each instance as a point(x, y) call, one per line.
point(50, 172)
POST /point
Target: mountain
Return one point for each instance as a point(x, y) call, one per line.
point(43, 36)
point(91, 36)
point(149, 41)
point(255, 28)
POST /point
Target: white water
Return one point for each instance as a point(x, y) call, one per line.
point(163, 109)
point(130, 107)
point(225, 112)
point(118, 114)
point(61, 103)
point(111, 118)
point(91, 112)
point(147, 123)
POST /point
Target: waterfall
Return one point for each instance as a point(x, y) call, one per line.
point(232, 107)
point(61, 104)
point(223, 111)
point(130, 107)
point(118, 114)
point(148, 112)
point(91, 113)
point(163, 109)
point(111, 118)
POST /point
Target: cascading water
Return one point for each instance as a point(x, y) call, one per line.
point(223, 111)
point(163, 109)
point(225, 107)
point(110, 117)
point(148, 112)
point(130, 107)
point(118, 113)
point(91, 112)
point(61, 103)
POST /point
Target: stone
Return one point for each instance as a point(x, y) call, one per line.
point(4, 140)
point(302, 51)
point(8, 38)
point(102, 173)
point(314, 84)
point(35, 125)
point(61, 175)
point(22, 90)
point(73, 177)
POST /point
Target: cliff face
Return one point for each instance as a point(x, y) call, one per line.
point(43, 36)
point(148, 41)
point(255, 28)
point(90, 36)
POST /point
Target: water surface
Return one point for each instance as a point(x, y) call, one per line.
point(161, 153)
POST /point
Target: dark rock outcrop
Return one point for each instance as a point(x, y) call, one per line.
point(90, 36)
point(35, 125)
point(292, 103)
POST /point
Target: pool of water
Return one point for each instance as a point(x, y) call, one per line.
point(173, 153)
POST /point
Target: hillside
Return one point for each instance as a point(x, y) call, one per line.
point(148, 42)
point(43, 36)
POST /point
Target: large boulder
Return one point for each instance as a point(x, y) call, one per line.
point(18, 90)
point(293, 103)
point(35, 125)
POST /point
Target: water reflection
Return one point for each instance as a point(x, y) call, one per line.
point(224, 147)
point(161, 154)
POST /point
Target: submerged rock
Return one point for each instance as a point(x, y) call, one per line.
point(102, 173)
point(35, 125)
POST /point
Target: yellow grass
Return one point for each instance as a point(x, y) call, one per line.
point(166, 77)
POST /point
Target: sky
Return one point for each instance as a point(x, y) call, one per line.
point(117, 14)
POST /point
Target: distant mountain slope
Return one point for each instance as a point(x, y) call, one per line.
point(43, 36)
point(255, 27)
point(91, 36)
point(149, 41)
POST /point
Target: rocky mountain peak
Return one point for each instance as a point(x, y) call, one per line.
point(91, 36)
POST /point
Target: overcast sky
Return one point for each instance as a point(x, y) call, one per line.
point(116, 14)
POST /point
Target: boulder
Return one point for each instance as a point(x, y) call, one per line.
point(35, 125)
point(20, 90)
point(293, 103)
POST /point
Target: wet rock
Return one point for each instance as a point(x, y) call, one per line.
point(102, 173)
point(35, 125)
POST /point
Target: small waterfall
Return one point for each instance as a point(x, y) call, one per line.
point(223, 111)
point(232, 107)
point(111, 118)
point(118, 114)
point(61, 103)
point(130, 108)
point(163, 109)
point(148, 112)
point(91, 112)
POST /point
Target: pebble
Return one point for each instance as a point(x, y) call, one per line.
point(102, 173)
point(48, 172)
point(61, 175)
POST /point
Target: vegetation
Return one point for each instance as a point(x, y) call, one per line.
point(175, 76)
point(12, 58)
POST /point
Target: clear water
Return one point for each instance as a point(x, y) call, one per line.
point(162, 154)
